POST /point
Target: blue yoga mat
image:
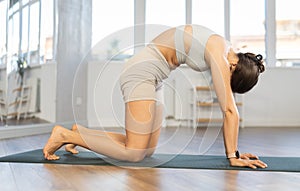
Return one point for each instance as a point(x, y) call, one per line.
point(213, 162)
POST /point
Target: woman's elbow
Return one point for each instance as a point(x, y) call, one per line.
point(231, 113)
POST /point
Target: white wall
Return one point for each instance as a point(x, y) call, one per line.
point(275, 101)
point(105, 107)
point(48, 92)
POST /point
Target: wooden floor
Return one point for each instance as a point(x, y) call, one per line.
point(262, 141)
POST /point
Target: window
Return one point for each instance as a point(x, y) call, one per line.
point(47, 30)
point(247, 25)
point(209, 14)
point(34, 28)
point(25, 30)
point(287, 33)
point(165, 12)
point(13, 35)
point(3, 6)
point(160, 15)
point(30, 30)
point(109, 17)
point(13, 6)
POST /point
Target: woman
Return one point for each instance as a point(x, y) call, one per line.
point(141, 84)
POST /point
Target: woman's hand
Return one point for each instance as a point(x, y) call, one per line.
point(248, 160)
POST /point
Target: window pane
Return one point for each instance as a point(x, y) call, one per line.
point(46, 46)
point(24, 43)
point(247, 25)
point(34, 33)
point(13, 35)
point(3, 5)
point(13, 41)
point(14, 5)
point(161, 15)
point(165, 12)
point(209, 14)
point(288, 33)
point(24, 2)
point(108, 18)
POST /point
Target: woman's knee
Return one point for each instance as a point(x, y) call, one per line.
point(150, 152)
point(136, 155)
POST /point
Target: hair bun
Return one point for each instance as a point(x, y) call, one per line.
point(261, 68)
point(259, 57)
point(259, 63)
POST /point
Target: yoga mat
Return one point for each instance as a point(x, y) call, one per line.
point(213, 162)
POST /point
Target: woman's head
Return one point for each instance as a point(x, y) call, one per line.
point(246, 72)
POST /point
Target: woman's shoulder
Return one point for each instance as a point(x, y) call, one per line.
point(218, 43)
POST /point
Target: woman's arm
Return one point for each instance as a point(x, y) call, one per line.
point(221, 75)
point(216, 55)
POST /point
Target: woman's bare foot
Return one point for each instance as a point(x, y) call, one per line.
point(71, 147)
point(54, 143)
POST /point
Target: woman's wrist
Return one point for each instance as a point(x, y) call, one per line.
point(235, 154)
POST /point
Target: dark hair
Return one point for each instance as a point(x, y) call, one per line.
point(245, 75)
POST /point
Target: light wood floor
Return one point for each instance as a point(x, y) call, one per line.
point(262, 141)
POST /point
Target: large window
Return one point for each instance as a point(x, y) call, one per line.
point(288, 33)
point(30, 31)
point(30, 25)
point(247, 25)
point(209, 13)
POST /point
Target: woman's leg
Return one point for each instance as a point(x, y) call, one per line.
point(139, 121)
point(115, 136)
point(155, 130)
point(157, 124)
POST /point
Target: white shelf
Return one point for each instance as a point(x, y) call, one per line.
point(201, 111)
point(21, 103)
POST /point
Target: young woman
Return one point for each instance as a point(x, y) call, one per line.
point(141, 84)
